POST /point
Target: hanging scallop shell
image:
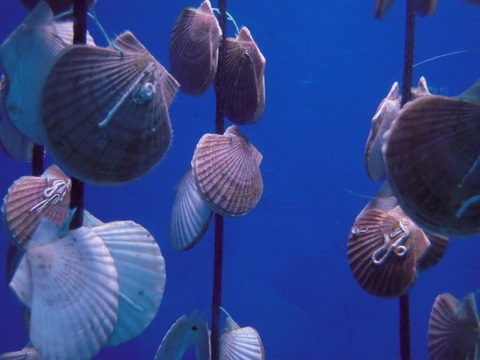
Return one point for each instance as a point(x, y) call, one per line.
point(186, 331)
point(141, 272)
point(226, 171)
point(190, 216)
point(74, 292)
point(115, 127)
point(240, 343)
point(27, 353)
point(453, 328)
point(244, 81)
point(194, 49)
point(32, 197)
point(431, 154)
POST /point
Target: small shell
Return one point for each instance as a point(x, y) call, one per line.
point(382, 7)
point(118, 125)
point(30, 198)
point(194, 49)
point(425, 7)
point(27, 353)
point(141, 273)
point(240, 343)
point(190, 215)
point(431, 154)
point(227, 173)
point(74, 293)
point(244, 81)
point(453, 328)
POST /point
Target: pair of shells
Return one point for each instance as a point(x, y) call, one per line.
point(432, 155)
point(454, 329)
point(225, 178)
point(235, 343)
point(107, 278)
point(194, 49)
point(422, 7)
point(386, 249)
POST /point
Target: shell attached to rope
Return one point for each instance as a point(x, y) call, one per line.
point(31, 198)
point(194, 49)
point(227, 173)
point(240, 343)
point(105, 111)
point(244, 81)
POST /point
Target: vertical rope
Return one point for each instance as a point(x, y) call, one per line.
point(219, 129)
point(37, 160)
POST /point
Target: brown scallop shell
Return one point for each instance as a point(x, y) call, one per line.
point(105, 112)
point(227, 173)
point(194, 49)
point(244, 81)
point(431, 154)
point(31, 198)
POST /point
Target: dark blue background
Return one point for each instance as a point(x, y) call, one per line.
point(329, 64)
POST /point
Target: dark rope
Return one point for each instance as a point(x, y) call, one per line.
point(219, 129)
point(404, 302)
point(37, 160)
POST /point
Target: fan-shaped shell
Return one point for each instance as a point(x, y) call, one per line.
point(241, 344)
point(432, 152)
point(32, 197)
point(244, 81)
point(452, 334)
point(226, 171)
point(74, 293)
point(141, 272)
point(114, 127)
point(194, 49)
point(27, 353)
point(190, 216)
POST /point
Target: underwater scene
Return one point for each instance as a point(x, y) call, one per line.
point(240, 180)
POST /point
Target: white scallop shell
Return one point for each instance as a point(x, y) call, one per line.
point(190, 216)
point(227, 173)
point(241, 343)
point(74, 293)
point(141, 270)
point(32, 197)
point(118, 125)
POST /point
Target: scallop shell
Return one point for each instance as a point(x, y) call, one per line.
point(244, 81)
point(141, 272)
point(453, 328)
point(182, 334)
point(74, 293)
point(425, 7)
point(32, 197)
point(226, 171)
point(27, 353)
point(432, 152)
point(240, 343)
point(190, 216)
point(118, 125)
point(194, 49)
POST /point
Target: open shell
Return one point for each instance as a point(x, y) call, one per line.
point(31, 198)
point(194, 49)
point(244, 81)
point(431, 154)
point(190, 216)
point(240, 343)
point(115, 127)
point(227, 173)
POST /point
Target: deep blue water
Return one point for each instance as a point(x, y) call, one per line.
point(329, 64)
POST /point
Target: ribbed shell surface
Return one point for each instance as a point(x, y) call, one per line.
point(105, 116)
point(190, 215)
point(227, 173)
point(244, 81)
point(241, 344)
point(194, 49)
point(432, 156)
point(31, 198)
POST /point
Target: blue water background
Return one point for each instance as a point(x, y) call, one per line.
point(329, 64)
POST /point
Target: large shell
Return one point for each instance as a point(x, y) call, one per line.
point(190, 216)
point(114, 127)
point(27, 353)
point(194, 49)
point(244, 81)
point(453, 328)
point(141, 273)
point(32, 197)
point(74, 293)
point(432, 152)
point(227, 173)
point(240, 343)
